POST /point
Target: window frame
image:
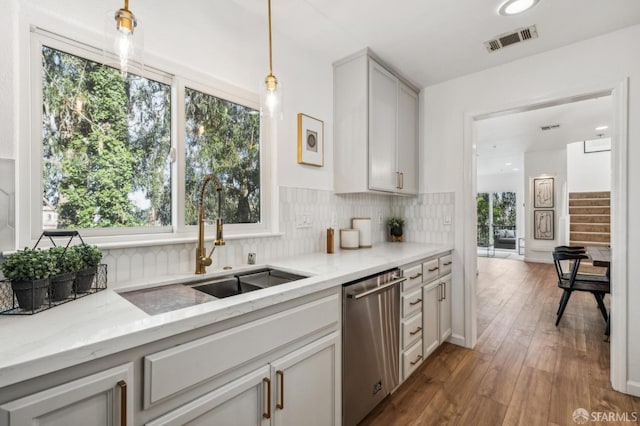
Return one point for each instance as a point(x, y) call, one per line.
point(182, 77)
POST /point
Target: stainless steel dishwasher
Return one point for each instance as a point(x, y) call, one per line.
point(370, 342)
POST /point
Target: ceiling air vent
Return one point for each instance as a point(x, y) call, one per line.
point(549, 127)
point(513, 37)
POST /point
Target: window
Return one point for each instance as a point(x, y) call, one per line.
point(223, 138)
point(105, 145)
point(105, 149)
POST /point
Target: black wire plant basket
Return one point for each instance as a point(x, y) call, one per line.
point(42, 295)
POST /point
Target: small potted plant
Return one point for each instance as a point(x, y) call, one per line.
point(67, 263)
point(395, 228)
point(90, 256)
point(29, 271)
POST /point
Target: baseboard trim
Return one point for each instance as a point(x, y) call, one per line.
point(456, 339)
point(633, 388)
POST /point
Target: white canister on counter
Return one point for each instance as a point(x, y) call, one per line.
point(363, 225)
point(349, 239)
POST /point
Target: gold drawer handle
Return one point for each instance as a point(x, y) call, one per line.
point(417, 360)
point(418, 275)
point(416, 331)
point(435, 268)
point(267, 415)
point(280, 405)
point(123, 402)
point(447, 263)
point(415, 302)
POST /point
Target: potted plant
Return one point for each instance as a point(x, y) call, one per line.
point(29, 271)
point(395, 228)
point(67, 263)
point(90, 257)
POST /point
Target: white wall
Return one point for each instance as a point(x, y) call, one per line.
point(571, 69)
point(587, 172)
point(544, 164)
point(507, 182)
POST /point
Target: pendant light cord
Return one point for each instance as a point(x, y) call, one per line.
point(270, 58)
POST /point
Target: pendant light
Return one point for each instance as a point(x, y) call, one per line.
point(124, 43)
point(271, 93)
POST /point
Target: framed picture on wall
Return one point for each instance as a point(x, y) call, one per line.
point(543, 224)
point(543, 193)
point(310, 141)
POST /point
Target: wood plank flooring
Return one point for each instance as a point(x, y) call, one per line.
point(524, 370)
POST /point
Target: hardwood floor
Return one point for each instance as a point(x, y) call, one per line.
point(524, 370)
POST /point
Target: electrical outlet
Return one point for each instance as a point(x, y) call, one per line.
point(447, 220)
point(380, 218)
point(304, 220)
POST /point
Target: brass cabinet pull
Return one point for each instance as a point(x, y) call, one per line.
point(415, 302)
point(417, 360)
point(435, 268)
point(280, 374)
point(444, 291)
point(440, 292)
point(267, 415)
point(418, 275)
point(401, 180)
point(123, 402)
point(398, 180)
point(447, 263)
point(416, 331)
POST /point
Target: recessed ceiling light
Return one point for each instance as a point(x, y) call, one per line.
point(515, 169)
point(602, 127)
point(514, 7)
point(507, 164)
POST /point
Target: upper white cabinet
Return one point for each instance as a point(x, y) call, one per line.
point(376, 128)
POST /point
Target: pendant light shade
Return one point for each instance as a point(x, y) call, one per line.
point(271, 92)
point(124, 44)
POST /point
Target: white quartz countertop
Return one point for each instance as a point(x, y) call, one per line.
point(105, 323)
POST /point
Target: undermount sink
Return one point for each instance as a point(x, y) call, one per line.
point(156, 300)
point(244, 283)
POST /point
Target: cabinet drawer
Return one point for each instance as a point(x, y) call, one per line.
point(411, 330)
point(411, 303)
point(173, 370)
point(444, 264)
point(412, 358)
point(413, 276)
point(430, 270)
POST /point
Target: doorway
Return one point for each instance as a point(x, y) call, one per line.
point(619, 142)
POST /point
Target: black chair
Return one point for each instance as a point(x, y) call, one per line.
point(570, 281)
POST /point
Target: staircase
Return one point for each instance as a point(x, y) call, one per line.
point(590, 218)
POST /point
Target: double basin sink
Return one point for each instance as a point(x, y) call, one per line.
point(244, 283)
point(167, 298)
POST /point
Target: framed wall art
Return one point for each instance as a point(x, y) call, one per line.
point(543, 193)
point(310, 141)
point(543, 224)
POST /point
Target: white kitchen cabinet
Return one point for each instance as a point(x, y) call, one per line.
point(101, 399)
point(375, 128)
point(307, 390)
point(436, 314)
point(299, 388)
point(431, 295)
point(411, 319)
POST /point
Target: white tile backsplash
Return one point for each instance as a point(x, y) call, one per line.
point(424, 216)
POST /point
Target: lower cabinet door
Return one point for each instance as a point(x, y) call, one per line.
point(102, 399)
point(445, 309)
point(430, 317)
point(308, 384)
point(244, 401)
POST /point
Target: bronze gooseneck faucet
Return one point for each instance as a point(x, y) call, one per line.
point(202, 260)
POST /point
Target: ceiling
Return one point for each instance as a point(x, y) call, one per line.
point(502, 141)
point(431, 41)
